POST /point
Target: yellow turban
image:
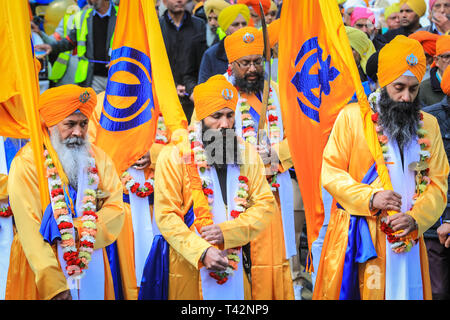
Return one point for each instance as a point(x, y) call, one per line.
point(215, 6)
point(213, 95)
point(400, 55)
point(418, 6)
point(273, 6)
point(230, 13)
point(445, 82)
point(361, 44)
point(442, 44)
point(273, 30)
point(58, 103)
point(244, 42)
point(393, 8)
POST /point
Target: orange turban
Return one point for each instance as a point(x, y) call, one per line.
point(442, 44)
point(58, 103)
point(273, 30)
point(244, 42)
point(400, 55)
point(445, 82)
point(427, 40)
point(215, 94)
point(255, 5)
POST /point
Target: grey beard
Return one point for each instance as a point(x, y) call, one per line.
point(73, 154)
point(399, 119)
point(221, 147)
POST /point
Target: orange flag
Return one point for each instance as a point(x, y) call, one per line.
point(140, 86)
point(19, 85)
point(317, 78)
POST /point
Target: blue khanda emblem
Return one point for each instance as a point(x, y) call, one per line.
point(120, 118)
point(227, 94)
point(412, 60)
point(305, 82)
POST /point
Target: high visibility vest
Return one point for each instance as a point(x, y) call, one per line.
point(80, 21)
point(60, 65)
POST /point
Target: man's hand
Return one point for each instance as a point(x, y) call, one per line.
point(143, 162)
point(441, 21)
point(387, 200)
point(443, 231)
point(43, 47)
point(181, 90)
point(401, 221)
point(212, 234)
point(65, 295)
point(215, 260)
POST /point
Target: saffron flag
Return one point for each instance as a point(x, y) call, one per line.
point(19, 85)
point(140, 86)
point(317, 78)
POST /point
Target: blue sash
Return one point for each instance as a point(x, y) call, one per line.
point(155, 277)
point(360, 248)
point(50, 232)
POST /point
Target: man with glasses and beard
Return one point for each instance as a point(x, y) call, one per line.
point(244, 50)
point(56, 245)
point(227, 175)
point(374, 247)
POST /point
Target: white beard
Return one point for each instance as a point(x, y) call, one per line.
point(71, 158)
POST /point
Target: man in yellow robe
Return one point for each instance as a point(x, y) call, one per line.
point(359, 260)
point(271, 274)
point(38, 268)
point(194, 254)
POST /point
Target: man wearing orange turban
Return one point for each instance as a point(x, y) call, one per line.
point(387, 171)
point(244, 49)
point(430, 89)
point(55, 245)
point(437, 238)
point(224, 178)
point(255, 11)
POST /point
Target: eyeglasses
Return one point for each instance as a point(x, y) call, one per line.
point(445, 57)
point(247, 63)
point(362, 25)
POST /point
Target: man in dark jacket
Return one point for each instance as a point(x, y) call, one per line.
point(214, 60)
point(185, 40)
point(438, 254)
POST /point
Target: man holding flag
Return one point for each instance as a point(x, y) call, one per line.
point(374, 247)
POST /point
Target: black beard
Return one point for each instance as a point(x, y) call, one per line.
point(221, 147)
point(247, 86)
point(399, 119)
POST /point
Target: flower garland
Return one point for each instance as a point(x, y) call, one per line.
point(161, 131)
point(241, 202)
point(135, 187)
point(76, 260)
point(5, 211)
point(422, 180)
point(249, 132)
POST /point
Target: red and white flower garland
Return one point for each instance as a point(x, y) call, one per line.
point(5, 211)
point(134, 187)
point(76, 260)
point(241, 201)
point(406, 244)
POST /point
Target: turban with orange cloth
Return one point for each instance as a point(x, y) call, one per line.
point(255, 5)
point(213, 95)
point(57, 103)
point(445, 82)
point(418, 6)
point(273, 30)
point(442, 44)
point(401, 55)
point(244, 42)
point(427, 40)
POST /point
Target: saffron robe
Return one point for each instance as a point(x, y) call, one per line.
point(173, 200)
point(346, 159)
point(35, 271)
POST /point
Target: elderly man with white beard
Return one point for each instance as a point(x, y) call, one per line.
point(58, 251)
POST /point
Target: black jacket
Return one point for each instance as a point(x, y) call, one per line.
point(441, 111)
point(185, 48)
point(430, 90)
point(214, 62)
